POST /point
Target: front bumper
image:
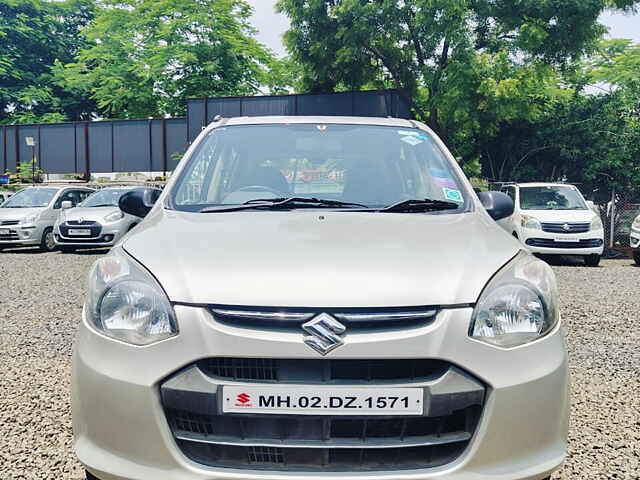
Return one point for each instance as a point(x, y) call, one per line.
point(21, 235)
point(121, 432)
point(587, 243)
point(107, 236)
point(634, 239)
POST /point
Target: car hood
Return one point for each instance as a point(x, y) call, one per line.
point(18, 213)
point(91, 214)
point(321, 259)
point(561, 215)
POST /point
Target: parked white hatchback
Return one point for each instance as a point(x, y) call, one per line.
point(97, 222)
point(27, 218)
point(554, 219)
point(634, 239)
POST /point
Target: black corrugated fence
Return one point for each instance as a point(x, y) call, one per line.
point(155, 145)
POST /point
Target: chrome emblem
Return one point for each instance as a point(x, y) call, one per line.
point(566, 227)
point(324, 333)
point(81, 220)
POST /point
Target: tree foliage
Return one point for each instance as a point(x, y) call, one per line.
point(147, 56)
point(33, 35)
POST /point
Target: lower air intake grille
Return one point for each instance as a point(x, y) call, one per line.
point(266, 370)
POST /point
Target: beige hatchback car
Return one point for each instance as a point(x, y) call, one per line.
point(319, 298)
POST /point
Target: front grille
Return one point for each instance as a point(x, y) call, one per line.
point(94, 227)
point(565, 227)
point(9, 222)
point(269, 370)
point(355, 318)
point(550, 243)
point(10, 237)
point(289, 442)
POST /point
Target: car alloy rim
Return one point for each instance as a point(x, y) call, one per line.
point(50, 241)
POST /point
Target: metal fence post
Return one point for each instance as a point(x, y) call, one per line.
point(612, 226)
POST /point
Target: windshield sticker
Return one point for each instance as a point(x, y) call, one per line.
point(443, 178)
point(452, 194)
point(409, 133)
point(412, 140)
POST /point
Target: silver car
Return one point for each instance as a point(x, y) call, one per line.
point(316, 298)
point(97, 222)
point(27, 218)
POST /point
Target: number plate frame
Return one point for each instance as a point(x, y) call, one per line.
point(319, 400)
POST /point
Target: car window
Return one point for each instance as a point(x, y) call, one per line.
point(31, 197)
point(511, 191)
point(73, 196)
point(552, 197)
point(108, 197)
point(371, 165)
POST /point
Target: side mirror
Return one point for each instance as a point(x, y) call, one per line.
point(498, 205)
point(139, 202)
point(66, 205)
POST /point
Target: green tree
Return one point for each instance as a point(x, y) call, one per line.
point(147, 56)
point(33, 35)
point(466, 67)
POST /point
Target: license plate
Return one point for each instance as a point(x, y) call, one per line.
point(4, 231)
point(567, 239)
point(317, 400)
point(80, 231)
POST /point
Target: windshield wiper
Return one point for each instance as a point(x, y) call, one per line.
point(283, 203)
point(101, 205)
point(417, 205)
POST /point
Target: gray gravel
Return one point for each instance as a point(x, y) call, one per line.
point(40, 302)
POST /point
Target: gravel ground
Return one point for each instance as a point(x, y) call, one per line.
point(40, 303)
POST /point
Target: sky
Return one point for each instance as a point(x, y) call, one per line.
point(272, 25)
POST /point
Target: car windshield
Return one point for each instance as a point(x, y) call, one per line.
point(30, 198)
point(551, 198)
point(104, 198)
point(372, 166)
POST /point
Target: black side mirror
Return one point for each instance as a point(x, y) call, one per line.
point(139, 202)
point(498, 205)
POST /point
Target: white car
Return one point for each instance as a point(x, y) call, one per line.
point(554, 219)
point(634, 239)
point(97, 222)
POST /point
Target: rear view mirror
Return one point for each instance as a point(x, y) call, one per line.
point(139, 202)
point(498, 205)
point(66, 205)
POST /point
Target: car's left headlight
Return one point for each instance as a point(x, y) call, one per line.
point(114, 217)
point(596, 224)
point(530, 222)
point(30, 219)
point(518, 305)
point(636, 224)
point(125, 302)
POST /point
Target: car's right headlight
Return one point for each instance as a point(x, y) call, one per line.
point(636, 224)
point(530, 222)
point(125, 302)
point(29, 220)
point(596, 224)
point(518, 305)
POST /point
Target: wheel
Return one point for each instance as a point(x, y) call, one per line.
point(48, 242)
point(88, 476)
point(636, 256)
point(67, 249)
point(592, 260)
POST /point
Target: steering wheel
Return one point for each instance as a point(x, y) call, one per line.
point(260, 188)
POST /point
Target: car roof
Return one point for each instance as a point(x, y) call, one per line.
point(274, 120)
point(544, 184)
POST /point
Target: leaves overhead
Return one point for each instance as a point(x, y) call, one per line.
point(147, 56)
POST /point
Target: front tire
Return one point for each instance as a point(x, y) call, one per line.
point(48, 242)
point(592, 260)
point(88, 476)
point(636, 256)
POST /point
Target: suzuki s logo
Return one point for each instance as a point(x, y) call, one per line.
point(324, 333)
point(243, 400)
point(81, 220)
point(566, 227)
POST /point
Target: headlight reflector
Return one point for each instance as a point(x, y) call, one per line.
point(530, 222)
point(114, 216)
point(518, 305)
point(126, 303)
point(636, 223)
point(596, 224)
